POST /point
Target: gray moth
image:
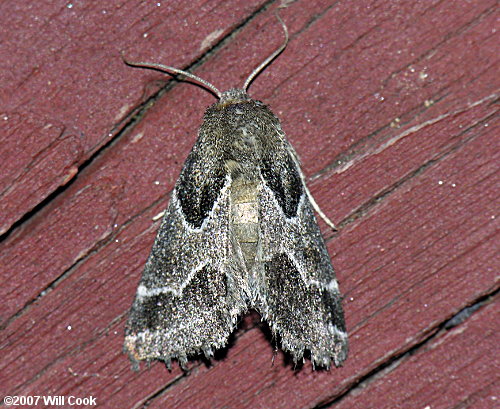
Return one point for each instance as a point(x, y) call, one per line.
point(239, 233)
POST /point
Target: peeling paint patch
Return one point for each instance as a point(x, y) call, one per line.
point(137, 137)
point(207, 42)
point(123, 111)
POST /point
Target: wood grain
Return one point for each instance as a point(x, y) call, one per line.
point(393, 109)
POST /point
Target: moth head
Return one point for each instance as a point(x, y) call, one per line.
point(233, 96)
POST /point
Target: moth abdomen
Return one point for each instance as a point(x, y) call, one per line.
point(245, 217)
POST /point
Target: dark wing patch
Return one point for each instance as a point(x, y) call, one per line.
point(283, 179)
point(199, 186)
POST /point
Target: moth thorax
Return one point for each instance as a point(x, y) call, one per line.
point(245, 217)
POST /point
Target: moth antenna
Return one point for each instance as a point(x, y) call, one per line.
point(263, 65)
point(174, 71)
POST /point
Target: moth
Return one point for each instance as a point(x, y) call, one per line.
point(239, 233)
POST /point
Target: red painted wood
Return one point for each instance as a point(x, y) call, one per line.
point(415, 200)
point(455, 369)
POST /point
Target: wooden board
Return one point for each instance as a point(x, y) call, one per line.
point(393, 109)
